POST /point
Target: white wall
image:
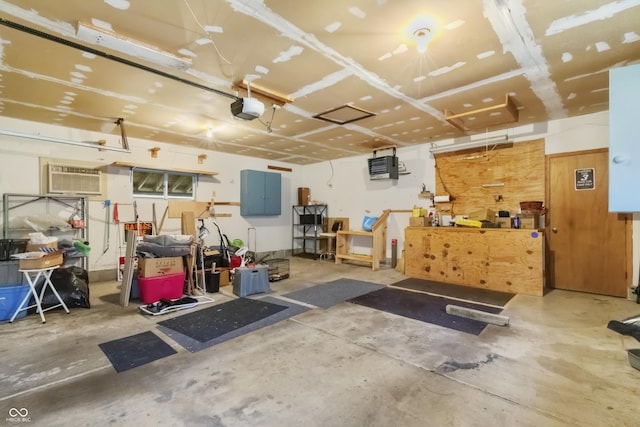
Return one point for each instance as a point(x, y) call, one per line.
point(19, 167)
point(342, 184)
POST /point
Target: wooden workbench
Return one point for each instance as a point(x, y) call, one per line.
point(508, 260)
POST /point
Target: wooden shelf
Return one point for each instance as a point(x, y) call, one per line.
point(483, 115)
point(142, 166)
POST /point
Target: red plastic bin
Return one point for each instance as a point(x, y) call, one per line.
point(167, 286)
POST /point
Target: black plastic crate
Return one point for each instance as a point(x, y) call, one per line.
point(10, 247)
point(278, 269)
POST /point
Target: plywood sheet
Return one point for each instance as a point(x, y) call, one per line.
point(198, 209)
point(501, 260)
point(474, 177)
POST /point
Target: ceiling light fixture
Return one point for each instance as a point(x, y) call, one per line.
point(421, 32)
point(422, 37)
point(209, 132)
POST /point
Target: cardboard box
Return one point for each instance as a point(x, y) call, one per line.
point(153, 267)
point(421, 221)
point(418, 212)
point(50, 259)
point(482, 215)
point(35, 247)
point(303, 196)
point(505, 222)
point(530, 221)
point(224, 277)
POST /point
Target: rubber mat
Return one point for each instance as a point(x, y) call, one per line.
point(327, 294)
point(206, 324)
point(135, 350)
point(485, 296)
point(424, 307)
point(192, 345)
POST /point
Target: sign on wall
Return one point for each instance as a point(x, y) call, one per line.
point(585, 179)
point(145, 228)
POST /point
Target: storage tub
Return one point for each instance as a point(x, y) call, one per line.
point(634, 357)
point(10, 298)
point(251, 280)
point(168, 286)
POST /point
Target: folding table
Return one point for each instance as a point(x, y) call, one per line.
point(32, 276)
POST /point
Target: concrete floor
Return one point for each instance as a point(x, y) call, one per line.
point(556, 364)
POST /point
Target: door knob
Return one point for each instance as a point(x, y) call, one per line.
point(554, 229)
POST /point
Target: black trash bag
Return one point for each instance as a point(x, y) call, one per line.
point(72, 284)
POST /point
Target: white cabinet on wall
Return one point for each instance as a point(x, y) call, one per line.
point(624, 143)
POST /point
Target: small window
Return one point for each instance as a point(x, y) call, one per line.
point(163, 184)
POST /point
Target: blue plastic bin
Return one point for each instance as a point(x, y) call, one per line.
point(10, 298)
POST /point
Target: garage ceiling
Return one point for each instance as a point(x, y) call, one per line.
point(171, 69)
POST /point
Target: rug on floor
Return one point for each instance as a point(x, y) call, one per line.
point(135, 350)
point(485, 296)
point(193, 345)
point(424, 307)
point(327, 294)
point(214, 321)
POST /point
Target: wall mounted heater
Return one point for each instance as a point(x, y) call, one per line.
point(75, 180)
point(385, 167)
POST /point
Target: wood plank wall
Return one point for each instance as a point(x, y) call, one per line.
point(519, 168)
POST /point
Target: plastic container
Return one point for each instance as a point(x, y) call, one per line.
point(634, 357)
point(212, 281)
point(168, 286)
point(10, 247)
point(10, 299)
point(249, 281)
point(9, 274)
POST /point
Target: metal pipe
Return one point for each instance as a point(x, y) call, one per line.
point(63, 141)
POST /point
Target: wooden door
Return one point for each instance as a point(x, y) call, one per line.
point(588, 248)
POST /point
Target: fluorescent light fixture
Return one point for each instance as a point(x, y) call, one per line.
point(435, 149)
point(97, 36)
point(64, 141)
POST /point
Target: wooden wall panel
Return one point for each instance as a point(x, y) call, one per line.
point(519, 168)
point(505, 260)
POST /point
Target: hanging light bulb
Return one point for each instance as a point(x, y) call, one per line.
point(209, 132)
point(422, 36)
point(421, 32)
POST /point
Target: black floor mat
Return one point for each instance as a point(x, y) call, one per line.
point(209, 323)
point(135, 350)
point(424, 307)
point(331, 293)
point(485, 296)
point(193, 346)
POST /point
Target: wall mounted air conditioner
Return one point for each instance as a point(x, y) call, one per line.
point(72, 179)
point(385, 167)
